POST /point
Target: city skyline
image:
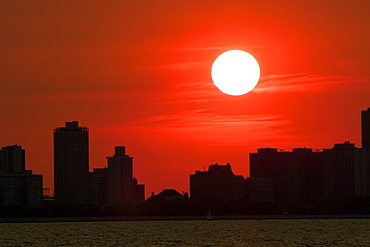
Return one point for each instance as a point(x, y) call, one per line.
point(138, 74)
point(71, 162)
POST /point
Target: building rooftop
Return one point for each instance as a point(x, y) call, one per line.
point(169, 193)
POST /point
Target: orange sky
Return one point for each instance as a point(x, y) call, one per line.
point(137, 73)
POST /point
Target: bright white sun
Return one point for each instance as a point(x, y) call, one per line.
point(235, 72)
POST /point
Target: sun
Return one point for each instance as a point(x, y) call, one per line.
point(235, 72)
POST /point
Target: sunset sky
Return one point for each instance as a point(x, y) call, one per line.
point(137, 73)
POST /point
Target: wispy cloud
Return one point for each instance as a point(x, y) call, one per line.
point(180, 66)
point(309, 82)
point(193, 92)
point(223, 47)
point(192, 65)
point(205, 90)
point(207, 128)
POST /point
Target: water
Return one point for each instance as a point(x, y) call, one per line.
point(303, 232)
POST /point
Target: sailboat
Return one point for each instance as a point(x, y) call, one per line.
point(209, 215)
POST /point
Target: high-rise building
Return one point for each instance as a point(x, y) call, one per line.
point(71, 164)
point(18, 186)
point(346, 170)
point(365, 129)
point(290, 172)
point(12, 159)
point(75, 185)
point(217, 184)
point(303, 174)
point(115, 183)
point(120, 176)
point(258, 189)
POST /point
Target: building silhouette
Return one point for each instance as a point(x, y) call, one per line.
point(217, 184)
point(121, 185)
point(365, 129)
point(295, 176)
point(258, 189)
point(120, 175)
point(346, 170)
point(138, 190)
point(71, 165)
point(75, 185)
point(18, 186)
point(302, 174)
point(169, 195)
point(101, 184)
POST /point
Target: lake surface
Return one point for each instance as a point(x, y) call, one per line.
point(291, 232)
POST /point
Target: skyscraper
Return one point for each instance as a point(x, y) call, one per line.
point(18, 185)
point(296, 176)
point(120, 177)
point(365, 129)
point(346, 170)
point(71, 164)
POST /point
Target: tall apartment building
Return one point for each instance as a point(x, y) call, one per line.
point(71, 165)
point(295, 176)
point(303, 175)
point(258, 189)
point(346, 170)
point(121, 185)
point(120, 174)
point(75, 185)
point(17, 185)
point(365, 129)
point(217, 184)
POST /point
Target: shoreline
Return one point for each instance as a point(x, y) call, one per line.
point(172, 218)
